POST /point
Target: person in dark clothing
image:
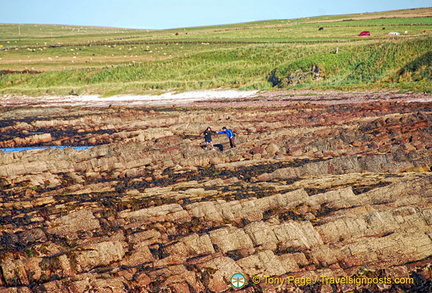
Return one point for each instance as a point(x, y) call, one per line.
point(230, 134)
point(208, 139)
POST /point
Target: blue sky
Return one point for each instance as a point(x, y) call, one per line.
point(164, 14)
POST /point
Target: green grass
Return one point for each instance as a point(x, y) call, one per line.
point(383, 61)
point(256, 55)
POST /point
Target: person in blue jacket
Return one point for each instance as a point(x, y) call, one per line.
point(230, 134)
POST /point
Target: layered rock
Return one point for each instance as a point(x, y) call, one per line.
point(313, 192)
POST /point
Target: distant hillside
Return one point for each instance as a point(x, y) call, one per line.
point(323, 51)
point(48, 30)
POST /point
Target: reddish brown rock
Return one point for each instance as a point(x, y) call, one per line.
point(149, 210)
point(82, 220)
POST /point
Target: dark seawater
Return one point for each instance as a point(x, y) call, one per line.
point(19, 149)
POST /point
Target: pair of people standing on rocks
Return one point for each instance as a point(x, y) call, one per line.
point(208, 139)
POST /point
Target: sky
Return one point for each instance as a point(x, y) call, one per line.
point(164, 14)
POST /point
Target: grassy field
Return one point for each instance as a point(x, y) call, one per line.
point(60, 60)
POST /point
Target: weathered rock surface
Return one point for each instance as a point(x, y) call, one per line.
point(315, 189)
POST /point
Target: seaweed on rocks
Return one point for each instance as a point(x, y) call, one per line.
point(152, 192)
point(359, 189)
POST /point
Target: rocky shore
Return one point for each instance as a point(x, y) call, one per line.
point(330, 192)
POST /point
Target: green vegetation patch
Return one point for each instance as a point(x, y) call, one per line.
point(314, 52)
point(379, 62)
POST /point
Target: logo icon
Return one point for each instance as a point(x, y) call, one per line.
point(238, 280)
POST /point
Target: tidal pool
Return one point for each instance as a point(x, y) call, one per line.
point(19, 149)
